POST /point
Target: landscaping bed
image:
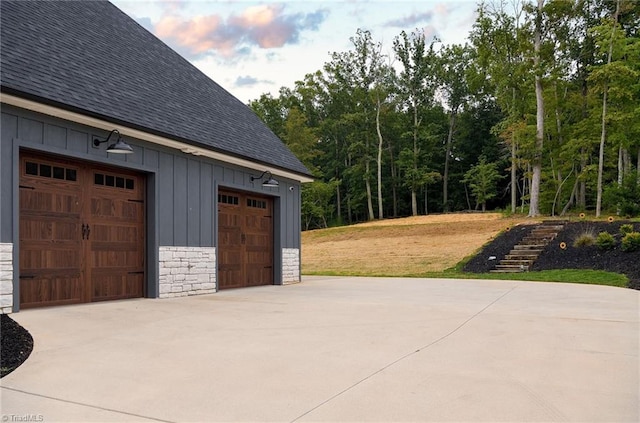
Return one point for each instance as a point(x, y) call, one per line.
point(16, 346)
point(571, 257)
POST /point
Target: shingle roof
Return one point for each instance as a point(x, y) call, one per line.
point(91, 57)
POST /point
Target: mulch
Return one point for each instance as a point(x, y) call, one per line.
point(16, 345)
point(572, 257)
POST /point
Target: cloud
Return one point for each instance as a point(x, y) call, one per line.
point(248, 81)
point(410, 20)
point(264, 26)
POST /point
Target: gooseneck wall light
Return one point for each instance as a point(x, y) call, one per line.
point(119, 147)
point(268, 179)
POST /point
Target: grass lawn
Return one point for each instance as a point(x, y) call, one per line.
point(434, 246)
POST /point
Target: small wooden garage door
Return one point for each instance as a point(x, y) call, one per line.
point(81, 232)
point(245, 240)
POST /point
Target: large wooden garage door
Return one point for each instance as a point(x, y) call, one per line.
point(81, 232)
point(245, 240)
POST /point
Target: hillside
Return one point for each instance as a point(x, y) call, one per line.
point(417, 245)
point(400, 247)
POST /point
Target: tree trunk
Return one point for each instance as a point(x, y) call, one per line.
point(347, 162)
point(338, 203)
point(338, 199)
point(414, 199)
point(426, 199)
point(514, 170)
point(534, 209)
point(394, 179)
point(514, 174)
point(379, 162)
point(367, 183)
point(638, 167)
point(581, 195)
point(603, 134)
point(571, 197)
point(445, 178)
point(620, 166)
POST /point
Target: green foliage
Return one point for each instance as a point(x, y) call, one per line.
point(482, 179)
point(626, 228)
point(631, 242)
point(317, 207)
point(625, 197)
point(586, 238)
point(328, 118)
point(605, 241)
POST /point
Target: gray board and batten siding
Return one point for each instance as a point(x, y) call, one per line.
point(181, 192)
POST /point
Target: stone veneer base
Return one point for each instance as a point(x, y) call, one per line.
point(187, 271)
point(6, 278)
point(290, 265)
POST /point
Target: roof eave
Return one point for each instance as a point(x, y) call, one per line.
point(62, 111)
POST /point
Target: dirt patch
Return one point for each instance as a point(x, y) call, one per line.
point(400, 247)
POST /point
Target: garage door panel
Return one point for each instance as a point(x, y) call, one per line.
point(116, 285)
point(116, 233)
point(49, 230)
point(50, 290)
point(257, 276)
point(245, 240)
point(49, 203)
point(44, 258)
point(78, 237)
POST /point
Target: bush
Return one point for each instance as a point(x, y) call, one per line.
point(626, 228)
point(605, 241)
point(586, 238)
point(623, 198)
point(631, 242)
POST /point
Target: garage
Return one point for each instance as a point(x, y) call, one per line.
point(245, 240)
point(81, 232)
point(189, 210)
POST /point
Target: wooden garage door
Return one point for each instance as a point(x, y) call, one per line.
point(245, 240)
point(81, 232)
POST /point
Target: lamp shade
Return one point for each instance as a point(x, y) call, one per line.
point(270, 183)
point(120, 147)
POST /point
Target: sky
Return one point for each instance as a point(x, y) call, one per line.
point(252, 48)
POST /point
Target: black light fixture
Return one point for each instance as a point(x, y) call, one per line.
point(268, 182)
point(119, 146)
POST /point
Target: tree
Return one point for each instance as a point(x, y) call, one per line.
point(482, 179)
point(501, 74)
point(416, 84)
point(301, 139)
point(316, 203)
point(454, 61)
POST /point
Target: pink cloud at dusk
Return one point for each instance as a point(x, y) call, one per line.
point(265, 26)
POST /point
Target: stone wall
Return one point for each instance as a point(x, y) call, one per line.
point(290, 265)
point(187, 271)
point(6, 278)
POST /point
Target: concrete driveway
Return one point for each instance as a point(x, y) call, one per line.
point(338, 350)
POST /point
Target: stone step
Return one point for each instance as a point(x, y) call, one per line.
point(509, 269)
point(560, 223)
point(548, 228)
point(528, 240)
point(529, 247)
point(525, 253)
point(508, 262)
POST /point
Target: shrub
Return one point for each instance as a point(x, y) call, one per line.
point(623, 198)
point(626, 228)
point(631, 242)
point(586, 238)
point(605, 241)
